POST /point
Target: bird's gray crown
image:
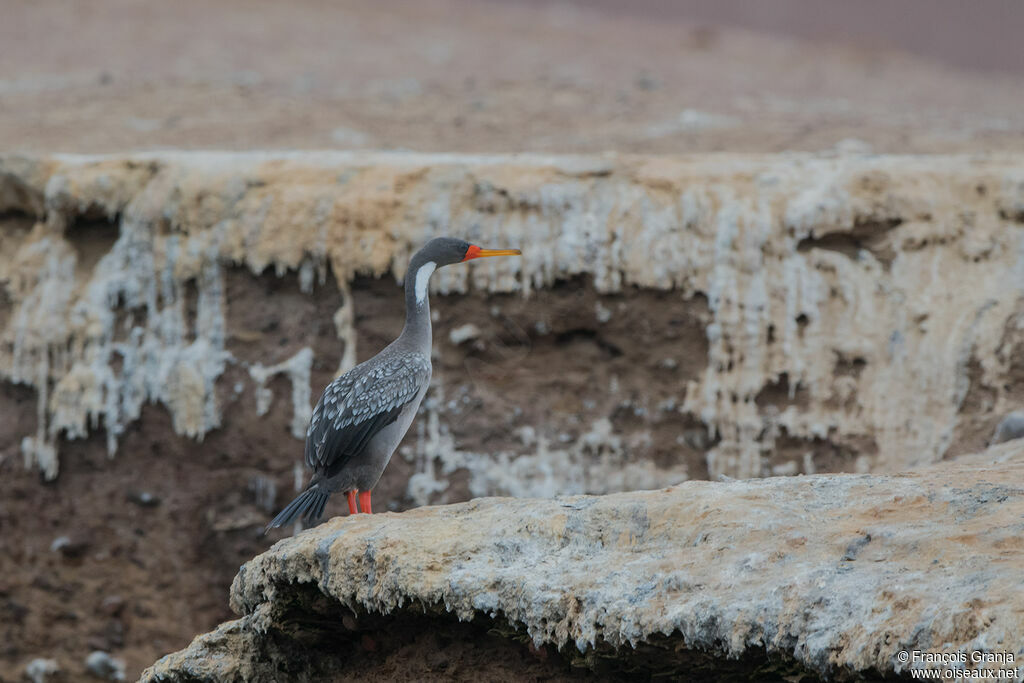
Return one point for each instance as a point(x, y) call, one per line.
point(442, 251)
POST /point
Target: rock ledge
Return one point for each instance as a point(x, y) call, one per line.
point(832, 575)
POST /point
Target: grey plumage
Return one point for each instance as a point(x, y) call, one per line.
point(362, 415)
point(359, 404)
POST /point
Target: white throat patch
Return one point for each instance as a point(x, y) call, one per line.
point(422, 278)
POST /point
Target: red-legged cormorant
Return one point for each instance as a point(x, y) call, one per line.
point(362, 415)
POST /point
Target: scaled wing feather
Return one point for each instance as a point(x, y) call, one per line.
point(360, 403)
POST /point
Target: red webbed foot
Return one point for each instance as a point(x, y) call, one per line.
point(364, 502)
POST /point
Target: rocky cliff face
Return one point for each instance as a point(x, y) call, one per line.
point(830, 575)
point(838, 330)
point(167, 319)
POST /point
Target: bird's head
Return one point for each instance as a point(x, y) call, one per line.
point(447, 250)
point(441, 251)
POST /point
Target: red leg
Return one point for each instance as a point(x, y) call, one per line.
point(364, 502)
point(352, 503)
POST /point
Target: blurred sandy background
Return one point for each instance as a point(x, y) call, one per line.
point(651, 76)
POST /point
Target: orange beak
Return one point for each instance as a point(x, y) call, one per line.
point(476, 252)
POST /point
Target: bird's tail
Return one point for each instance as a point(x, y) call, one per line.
point(308, 505)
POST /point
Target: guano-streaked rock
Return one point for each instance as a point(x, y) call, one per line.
point(831, 574)
point(835, 283)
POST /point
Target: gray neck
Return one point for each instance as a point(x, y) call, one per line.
point(417, 330)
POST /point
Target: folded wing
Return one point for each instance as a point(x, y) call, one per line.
point(360, 403)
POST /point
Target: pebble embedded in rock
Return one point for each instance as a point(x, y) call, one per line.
point(102, 665)
point(70, 546)
point(143, 499)
point(464, 333)
point(1009, 428)
point(112, 605)
point(40, 670)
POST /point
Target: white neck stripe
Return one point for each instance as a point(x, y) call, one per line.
point(422, 278)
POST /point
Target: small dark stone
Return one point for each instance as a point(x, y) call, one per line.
point(14, 611)
point(102, 665)
point(112, 605)
point(143, 499)
point(113, 634)
point(855, 547)
point(1009, 428)
point(72, 546)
